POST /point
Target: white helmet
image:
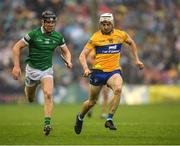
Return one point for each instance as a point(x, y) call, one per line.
point(106, 17)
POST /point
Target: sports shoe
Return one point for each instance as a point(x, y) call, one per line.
point(78, 125)
point(109, 124)
point(47, 129)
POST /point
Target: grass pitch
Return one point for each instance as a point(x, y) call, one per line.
point(147, 124)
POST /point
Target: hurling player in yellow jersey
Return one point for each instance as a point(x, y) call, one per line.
point(105, 89)
point(107, 44)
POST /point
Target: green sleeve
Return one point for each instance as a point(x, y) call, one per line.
point(29, 36)
point(61, 40)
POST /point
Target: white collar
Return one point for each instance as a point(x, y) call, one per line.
point(42, 29)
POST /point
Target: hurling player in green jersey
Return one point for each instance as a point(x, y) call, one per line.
point(41, 43)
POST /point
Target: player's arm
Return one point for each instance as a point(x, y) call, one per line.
point(133, 47)
point(16, 72)
point(67, 56)
point(83, 61)
point(91, 58)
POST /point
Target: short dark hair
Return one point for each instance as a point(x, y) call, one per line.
point(48, 15)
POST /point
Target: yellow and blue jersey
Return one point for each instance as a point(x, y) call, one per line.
point(107, 49)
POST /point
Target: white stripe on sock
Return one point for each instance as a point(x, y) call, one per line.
point(109, 119)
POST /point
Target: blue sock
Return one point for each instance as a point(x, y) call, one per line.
point(109, 117)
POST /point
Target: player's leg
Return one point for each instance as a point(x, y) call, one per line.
point(105, 91)
point(47, 87)
point(87, 105)
point(93, 97)
point(30, 89)
point(115, 83)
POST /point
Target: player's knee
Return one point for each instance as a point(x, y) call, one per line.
point(48, 95)
point(117, 91)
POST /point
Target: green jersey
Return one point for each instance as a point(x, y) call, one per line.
point(41, 47)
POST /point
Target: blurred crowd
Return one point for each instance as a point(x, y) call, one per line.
point(153, 24)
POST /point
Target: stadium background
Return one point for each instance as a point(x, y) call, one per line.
point(153, 24)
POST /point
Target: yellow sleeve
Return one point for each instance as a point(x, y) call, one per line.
point(90, 44)
point(125, 36)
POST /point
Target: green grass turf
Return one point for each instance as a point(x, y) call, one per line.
point(147, 124)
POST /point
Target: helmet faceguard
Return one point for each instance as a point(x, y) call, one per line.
point(48, 21)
